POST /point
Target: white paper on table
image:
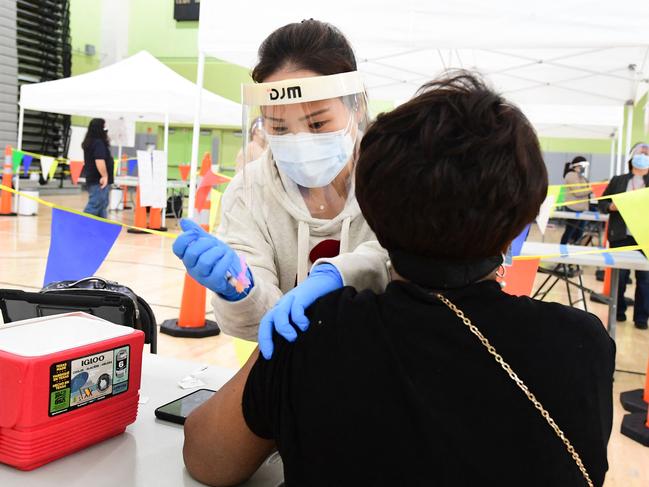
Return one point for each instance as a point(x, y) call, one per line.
point(46, 164)
point(190, 382)
point(75, 151)
point(145, 178)
point(544, 212)
point(121, 132)
point(159, 165)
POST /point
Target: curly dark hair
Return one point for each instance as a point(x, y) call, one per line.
point(455, 173)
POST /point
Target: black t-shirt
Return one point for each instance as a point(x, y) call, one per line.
point(393, 389)
point(97, 150)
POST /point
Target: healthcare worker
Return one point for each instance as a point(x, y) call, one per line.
point(295, 203)
point(577, 190)
point(619, 235)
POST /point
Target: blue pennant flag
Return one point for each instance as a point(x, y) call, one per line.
point(78, 246)
point(132, 166)
point(27, 161)
point(517, 244)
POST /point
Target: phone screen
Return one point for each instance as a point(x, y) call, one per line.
point(179, 409)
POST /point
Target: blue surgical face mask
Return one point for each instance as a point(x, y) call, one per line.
point(640, 161)
point(312, 160)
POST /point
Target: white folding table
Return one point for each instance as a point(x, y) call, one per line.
point(632, 260)
point(149, 452)
point(589, 216)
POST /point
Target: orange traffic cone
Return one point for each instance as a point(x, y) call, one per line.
point(139, 213)
point(637, 401)
point(155, 219)
point(636, 424)
point(206, 164)
point(124, 172)
point(5, 196)
point(191, 322)
point(606, 288)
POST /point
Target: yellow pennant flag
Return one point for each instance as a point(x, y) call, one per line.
point(53, 167)
point(633, 206)
point(554, 190)
point(215, 209)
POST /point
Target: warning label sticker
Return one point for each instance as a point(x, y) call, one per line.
point(80, 382)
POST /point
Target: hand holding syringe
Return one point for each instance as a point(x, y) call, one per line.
point(212, 262)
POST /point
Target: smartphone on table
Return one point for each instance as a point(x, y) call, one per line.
point(178, 410)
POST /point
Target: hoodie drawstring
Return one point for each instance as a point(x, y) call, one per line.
point(344, 235)
point(303, 237)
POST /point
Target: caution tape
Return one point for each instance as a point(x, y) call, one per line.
point(587, 200)
point(594, 251)
point(572, 185)
point(87, 215)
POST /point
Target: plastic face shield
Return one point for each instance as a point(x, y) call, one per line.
point(312, 127)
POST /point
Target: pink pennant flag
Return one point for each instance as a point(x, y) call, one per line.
point(75, 170)
point(598, 188)
point(184, 171)
point(519, 278)
point(210, 179)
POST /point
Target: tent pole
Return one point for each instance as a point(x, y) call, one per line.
point(619, 151)
point(119, 159)
point(195, 133)
point(166, 151)
point(21, 122)
point(629, 127)
point(166, 135)
point(611, 171)
point(19, 146)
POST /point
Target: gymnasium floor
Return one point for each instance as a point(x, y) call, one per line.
point(146, 264)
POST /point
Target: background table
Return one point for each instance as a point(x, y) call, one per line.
point(149, 452)
point(632, 260)
point(589, 216)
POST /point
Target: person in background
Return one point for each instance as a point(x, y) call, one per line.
point(619, 235)
point(578, 190)
point(256, 146)
point(408, 387)
point(98, 167)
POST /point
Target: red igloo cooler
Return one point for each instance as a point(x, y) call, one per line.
point(66, 381)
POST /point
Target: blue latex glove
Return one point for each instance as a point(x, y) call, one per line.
point(209, 261)
point(323, 279)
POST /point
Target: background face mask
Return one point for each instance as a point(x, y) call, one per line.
point(640, 161)
point(312, 160)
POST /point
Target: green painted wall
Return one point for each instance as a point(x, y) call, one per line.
point(85, 27)
point(638, 132)
point(153, 28)
point(588, 146)
point(599, 146)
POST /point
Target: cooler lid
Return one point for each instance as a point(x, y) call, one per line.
point(52, 334)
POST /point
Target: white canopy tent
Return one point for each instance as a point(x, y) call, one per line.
point(139, 88)
point(136, 89)
point(572, 52)
point(581, 121)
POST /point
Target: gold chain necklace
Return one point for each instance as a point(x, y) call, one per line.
point(506, 367)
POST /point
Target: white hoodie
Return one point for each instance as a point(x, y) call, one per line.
point(275, 238)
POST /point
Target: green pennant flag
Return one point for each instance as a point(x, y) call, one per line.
point(17, 160)
point(561, 197)
point(633, 206)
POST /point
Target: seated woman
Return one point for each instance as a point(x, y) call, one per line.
point(410, 387)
